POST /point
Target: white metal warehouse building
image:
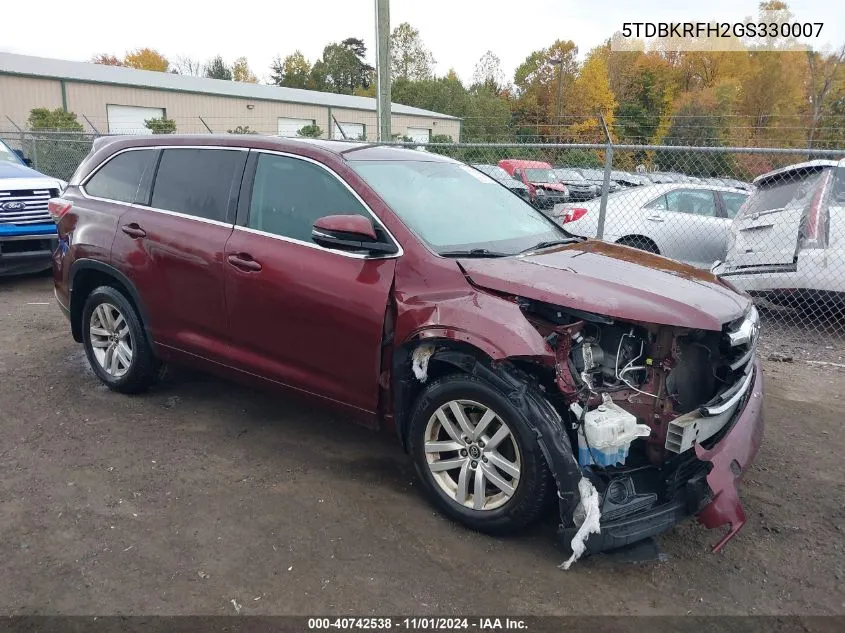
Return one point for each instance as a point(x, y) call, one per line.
point(117, 100)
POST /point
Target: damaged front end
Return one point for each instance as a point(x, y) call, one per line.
point(661, 420)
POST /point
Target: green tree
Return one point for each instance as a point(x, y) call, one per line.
point(293, 71)
point(409, 58)
point(217, 69)
point(342, 68)
point(56, 144)
point(242, 129)
point(311, 131)
point(162, 125)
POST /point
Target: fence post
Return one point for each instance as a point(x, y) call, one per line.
point(605, 185)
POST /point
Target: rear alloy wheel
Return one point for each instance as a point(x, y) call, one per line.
point(111, 340)
point(476, 457)
point(116, 342)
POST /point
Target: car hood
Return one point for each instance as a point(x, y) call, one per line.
point(15, 170)
point(551, 186)
point(615, 281)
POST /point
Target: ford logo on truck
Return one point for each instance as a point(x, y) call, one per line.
point(13, 206)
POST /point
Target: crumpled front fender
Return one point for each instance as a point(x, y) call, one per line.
point(730, 457)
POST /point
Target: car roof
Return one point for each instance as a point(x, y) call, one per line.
point(519, 162)
point(810, 164)
point(348, 150)
point(665, 187)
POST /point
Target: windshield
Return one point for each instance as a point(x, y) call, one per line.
point(8, 156)
point(453, 207)
point(540, 175)
point(568, 174)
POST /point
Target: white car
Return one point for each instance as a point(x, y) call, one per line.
point(685, 221)
point(788, 241)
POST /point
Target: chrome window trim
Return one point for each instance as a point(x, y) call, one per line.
point(134, 205)
point(373, 216)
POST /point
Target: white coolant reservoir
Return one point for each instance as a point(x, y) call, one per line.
point(607, 433)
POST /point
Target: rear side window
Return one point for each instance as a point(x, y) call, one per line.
point(196, 182)
point(691, 201)
point(120, 178)
point(289, 195)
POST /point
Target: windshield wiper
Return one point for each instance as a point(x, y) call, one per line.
point(474, 252)
point(548, 243)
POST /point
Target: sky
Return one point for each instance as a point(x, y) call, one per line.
point(457, 32)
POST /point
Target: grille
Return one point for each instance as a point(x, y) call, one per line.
point(25, 206)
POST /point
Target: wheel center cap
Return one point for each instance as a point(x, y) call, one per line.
point(474, 451)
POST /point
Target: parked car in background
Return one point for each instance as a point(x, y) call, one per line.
point(628, 179)
point(684, 221)
point(596, 177)
point(412, 293)
point(666, 177)
point(543, 186)
point(788, 241)
point(579, 188)
point(497, 173)
point(729, 182)
point(27, 232)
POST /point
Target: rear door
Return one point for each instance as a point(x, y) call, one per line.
point(783, 212)
point(688, 225)
point(299, 314)
point(171, 246)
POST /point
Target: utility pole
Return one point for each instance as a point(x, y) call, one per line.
point(559, 64)
point(383, 69)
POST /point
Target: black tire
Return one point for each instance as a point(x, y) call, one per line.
point(535, 485)
point(640, 243)
point(143, 368)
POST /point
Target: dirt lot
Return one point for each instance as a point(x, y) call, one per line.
point(201, 492)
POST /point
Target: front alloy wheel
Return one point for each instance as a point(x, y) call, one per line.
point(472, 455)
point(476, 455)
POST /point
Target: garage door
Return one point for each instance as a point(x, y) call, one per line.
point(130, 119)
point(290, 127)
point(352, 131)
point(419, 134)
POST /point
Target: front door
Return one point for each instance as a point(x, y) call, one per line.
point(299, 314)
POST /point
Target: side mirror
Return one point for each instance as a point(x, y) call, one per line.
point(349, 232)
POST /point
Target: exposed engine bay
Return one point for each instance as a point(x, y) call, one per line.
point(636, 397)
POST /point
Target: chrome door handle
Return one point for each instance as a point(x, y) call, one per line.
point(133, 230)
point(655, 218)
point(244, 262)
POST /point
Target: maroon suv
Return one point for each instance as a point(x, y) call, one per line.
point(517, 364)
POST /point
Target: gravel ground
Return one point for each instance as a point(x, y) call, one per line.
point(201, 493)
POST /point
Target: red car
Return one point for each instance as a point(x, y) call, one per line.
point(543, 185)
point(517, 363)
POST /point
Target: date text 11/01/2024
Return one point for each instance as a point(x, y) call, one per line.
point(418, 623)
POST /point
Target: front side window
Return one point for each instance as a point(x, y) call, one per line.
point(691, 201)
point(120, 178)
point(453, 207)
point(289, 195)
point(196, 181)
point(658, 204)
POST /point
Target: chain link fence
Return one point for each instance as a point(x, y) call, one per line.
point(770, 221)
